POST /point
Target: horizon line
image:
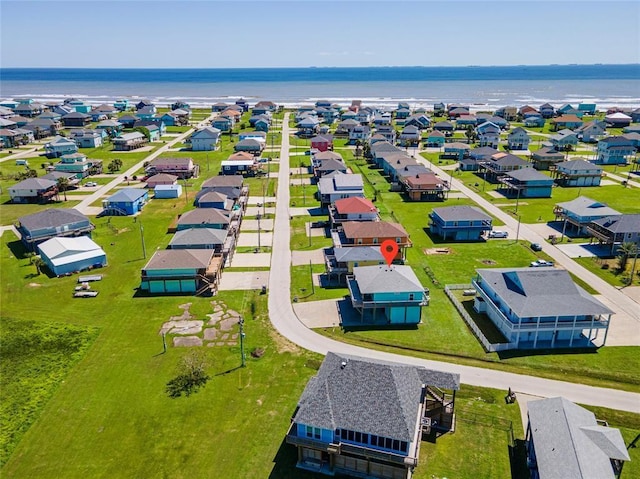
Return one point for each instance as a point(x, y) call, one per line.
point(316, 67)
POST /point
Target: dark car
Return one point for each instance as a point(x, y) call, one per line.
point(536, 247)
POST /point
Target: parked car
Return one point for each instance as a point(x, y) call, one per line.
point(541, 262)
point(536, 247)
point(91, 183)
point(498, 234)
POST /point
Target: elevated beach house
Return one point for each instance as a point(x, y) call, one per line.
point(352, 209)
point(180, 271)
point(615, 150)
point(518, 139)
point(564, 440)
point(199, 238)
point(384, 294)
point(337, 185)
point(34, 190)
point(51, 223)
point(60, 146)
point(527, 183)
point(616, 230)
point(127, 201)
point(577, 172)
point(181, 167)
point(129, 141)
point(204, 218)
point(366, 418)
point(65, 255)
point(459, 223)
point(340, 261)
point(205, 139)
point(540, 308)
point(371, 233)
point(578, 213)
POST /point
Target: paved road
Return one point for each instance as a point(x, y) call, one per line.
point(22, 153)
point(85, 205)
point(287, 323)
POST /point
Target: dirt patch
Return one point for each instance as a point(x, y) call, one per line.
point(187, 341)
point(436, 250)
point(35, 285)
point(283, 345)
point(488, 262)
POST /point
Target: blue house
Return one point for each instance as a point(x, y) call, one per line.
point(199, 238)
point(69, 255)
point(50, 223)
point(459, 223)
point(435, 139)
point(360, 415)
point(587, 108)
point(127, 201)
point(60, 146)
point(615, 150)
point(222, 123)
point(527, 183)
point(180, 271)
point(384, 294)
point(540, 308)
point(577, 173)
point(578, 213)
point(204, 218)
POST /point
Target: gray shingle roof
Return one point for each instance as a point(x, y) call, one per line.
point(203, 216)
point(52, 218)
point(386, 279)
point(534, 292)
point(569, 444)
point(574, 165)
point(358, 253)
point(620, 224)
point(127, 194)
point(461, 213)
point(583, 206)
point(180, 258)
point(199, 236)
point(368, 396)
point(529, 174)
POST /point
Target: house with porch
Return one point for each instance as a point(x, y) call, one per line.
point(182, 167)
point(371, 233)
point(615, 150)
point(409, 136)
point(322, 142)
point(488, 134)
point(127, 201)
point(564, 440)
point(205, 139)
point(51, 223)
point(547, 110)
point(384, 294)
point(180, 271)
point(564, 139)
point(445, 127)
point(536, 308)
point(421, 184)
point(578, 213)
point(214, 199)
point(308, 127)
point(459, 223)
point(366, 418)
point(617, 120)
point(566, 122)
point(222, 123)
point(546, 157)
point(87, 138)
point(435, 139)
point(384, 133)
point(509, 113)
point(616, 230)
point(339, 262)
point(456, 150)
point(129, 141)
point(502, 163)
point(518, 139)
point(345, 126)
point(476, 156)
point(204, 218)
point(578, 172)
point(337, 185)
point(200, 238)
point(360, 133)
point(75, 163)
point(76, 119)
point(527, 183)
point(352, 209)
point(250, 145)
point(60, 146)
point(34, 190)
point(592, 131)
point(326, 167)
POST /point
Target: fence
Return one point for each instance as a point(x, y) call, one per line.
point(475, 329)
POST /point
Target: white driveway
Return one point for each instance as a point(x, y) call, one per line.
point(232, 281)
point(251, 260)
point(318, 314)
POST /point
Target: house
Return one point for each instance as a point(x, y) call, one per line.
point(322, 143)
point(371, 233)
point(260, 136)
point(457, 112)
point(337, 185)
point(445, 127)
point(435, 139)
point(591, 132)
point(51, 223)
point(502, 163)
point(387, 294)
point(439, 109)
point(182, 167)
point(488, 134)
point(318, 157)
point(75, 163)
point(66, 255)
point(76, 119)
point(28, 110)
point(360, 415)
point(87, 138)
point(564, 140)
point(109, 110)
point(129, 141)
point(34, 190)
point(127, 201)
point(262, 124)
point(340, 261)
point(547, 110)
point(476, 156)
point(409, 136)
point(192, 271)
point(205, 139)
point(345, 126)
point(218, 107)
point(566, 440)
point(250, 145)
point(352, 209)
point(534, 122)
point(420, 121)
point(79, 106)
point(518, 139)
point(509, 113)
point(60, 146)
point(614, 150)
point(361, 133)
point(466, 120)
point(384, 133)
point(459, 223)
point(173, 118)
point(578, 213)
point(204, 218)
point(578, 172)
point(565, 121)
point(214, 199)
point(199, 238)
point(240, 167)
point(49, 126)
point(13, 138)
point(537, 308)
point(527, 183)
point(128, 121)
point(121, 104)
point(546, 157)
point(456, 150)
point(328, 166)
point(167, 191)
point(232, 186)
point(635, 116)
point(308, 127)
point(402, 113)
point(222, 124)
point(161, 179)
point(617, 120)
point(421, 184)
point(616, 230)
point(146, 112)
point(153, 131)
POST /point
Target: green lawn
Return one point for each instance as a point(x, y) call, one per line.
point(607, 270)
point(300, 240)
point(302, 289)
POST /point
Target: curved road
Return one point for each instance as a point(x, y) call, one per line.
point(287, 323)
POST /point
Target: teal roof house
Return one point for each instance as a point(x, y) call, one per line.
point(182, 271)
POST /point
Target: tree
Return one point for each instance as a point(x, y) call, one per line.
point(37, 261)
point(191, 375)
point(112, 167)
point(63, 185)
point(625, 251)
point(470, 133)
point(118, 163)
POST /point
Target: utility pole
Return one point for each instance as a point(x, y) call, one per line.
point(518, 229)
point(258, 216)
point(241, 324)
point(144, 249)
point(313, 287)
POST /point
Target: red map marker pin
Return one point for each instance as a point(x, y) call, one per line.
point(389, 250)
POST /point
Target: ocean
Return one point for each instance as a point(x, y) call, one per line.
point(480, 87)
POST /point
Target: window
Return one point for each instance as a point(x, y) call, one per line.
point(365, 438)
point(375, 240)
point(338, 432)
point(316, 433)
point(351, 436)
point(359, 241)
point(309, 431)
point(396, 445)
point(358, 437)
point(410, 296)
point(398, 240)
point(388, 443)
point(374, 440)
point(404, 446)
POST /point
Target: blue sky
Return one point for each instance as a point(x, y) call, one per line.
point(224, 34)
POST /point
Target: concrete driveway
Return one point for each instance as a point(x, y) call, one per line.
point(251, 239)
point(316, 256)
point(252, 225)
point(249, 280)
point(584, 250)
point(251, 260)
point(318, 314)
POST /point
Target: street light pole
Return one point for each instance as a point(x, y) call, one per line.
point(518, 229)
point(144, 249)
point(241, 324)
point(258, 216)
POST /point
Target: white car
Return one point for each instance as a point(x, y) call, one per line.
point(498, 234)
point(91, 183)
point(541, 262)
